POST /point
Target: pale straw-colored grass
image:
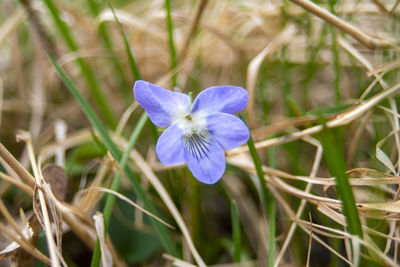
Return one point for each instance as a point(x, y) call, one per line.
point(218, 42)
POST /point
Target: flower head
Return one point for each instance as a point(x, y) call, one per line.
point(197, 134)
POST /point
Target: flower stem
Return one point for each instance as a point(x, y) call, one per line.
point(237, 242)
point(171, 45)
point(267, 200)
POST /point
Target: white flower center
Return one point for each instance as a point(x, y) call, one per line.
point(195, 135)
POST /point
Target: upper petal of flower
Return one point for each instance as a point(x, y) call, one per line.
point(228, 130)
point(162, 105)
point(169, 148)
point(210, 166)
point(227, 99)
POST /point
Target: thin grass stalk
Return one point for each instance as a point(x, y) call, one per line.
point(94, 7)
point(267, 200)
point(116, 153)
point(87, 72)
point(285, 64)
point(132, 63)
point(334, 158)
point(335, 53)
point(360, 36)
point(110, 200)
point(171, 45)
point(51, 244)
point(312, 63)
point(237, 240)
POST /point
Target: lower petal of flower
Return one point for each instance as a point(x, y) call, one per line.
point(205, 158)
point(169, 148)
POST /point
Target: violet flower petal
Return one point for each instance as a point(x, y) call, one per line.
point(169, 148)
point(228, 130)
point(160, 104)
point(210, 167)
point(227, 99)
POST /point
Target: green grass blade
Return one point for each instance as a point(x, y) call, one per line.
point(237, 240)
point(334, 158)
point(267, 201)
point(87, 72)
point(111, 146)
point(115, 185)
point(109, 45)
point(107, 210)
point(335, 53)
point(171, 45)
point(132, 63)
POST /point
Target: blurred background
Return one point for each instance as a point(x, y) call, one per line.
point(299, 66)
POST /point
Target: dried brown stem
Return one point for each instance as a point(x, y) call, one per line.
point(16, 166)
point(193, 26)
point(360, 36)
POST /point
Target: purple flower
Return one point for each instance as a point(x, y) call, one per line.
point(197, 134)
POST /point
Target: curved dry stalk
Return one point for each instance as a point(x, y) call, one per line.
point(11, 220)
point(130, 202)
point(54, 256)
point(309, 242)
point(178, 262)
point(17, 183)
point(149, 174)
point(284, 37)
point(292, 229)
point(360, 36)
point(291, 214)
point(193, 26)
point(127, 18)
point(395, 123)
point(125, 117)
point(106, 257)
point(16, 166)
point(24, 244)
point(12, 23)
point(84, 136)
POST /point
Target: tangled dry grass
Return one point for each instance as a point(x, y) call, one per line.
point(283, 53)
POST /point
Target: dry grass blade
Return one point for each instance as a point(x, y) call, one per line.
point(130, 20)
point(341, 119)
point(125, 117)
point(252, 70)
point(130, 202)
point(60, 130)
point(314, 170)
point(25, 245)
point(12, 23)
point(193, 26)
point(54, 256)
point(363, 38)
point(17, 183)
point(306, 229)
point(384, 68)
point(178, 262)
point(309, 242)
point(148, 173)
point(106, 257)
point(16, 166)
point(219, 43)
